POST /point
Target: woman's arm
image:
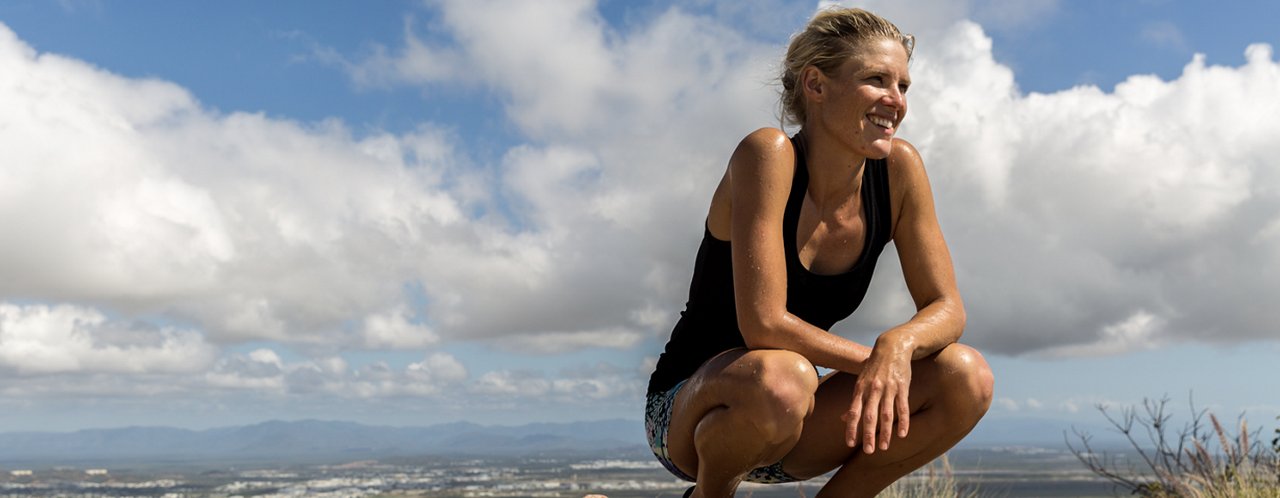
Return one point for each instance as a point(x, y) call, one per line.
point(881, 393)
point(925, 259)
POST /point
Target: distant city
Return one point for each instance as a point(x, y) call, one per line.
point(496, 477)
point(547, 477)
point(340, 459)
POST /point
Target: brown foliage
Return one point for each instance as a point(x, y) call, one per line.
point(1184, 464)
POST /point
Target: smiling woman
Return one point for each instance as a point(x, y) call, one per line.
point(792, 238)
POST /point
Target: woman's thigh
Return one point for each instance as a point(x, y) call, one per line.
point(737, 379)
point(822, 445)
point(949, 393)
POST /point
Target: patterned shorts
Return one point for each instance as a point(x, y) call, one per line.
point(657, 416)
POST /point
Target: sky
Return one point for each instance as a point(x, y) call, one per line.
point(409, 213)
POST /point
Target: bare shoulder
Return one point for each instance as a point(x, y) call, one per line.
point(906, 167)
point(767, 136)
point(904, 158)
point(907, 178)
point(765, 159)
point(761, 165)
point(764, 146)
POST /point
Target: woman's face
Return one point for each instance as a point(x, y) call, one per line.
point(865, 101)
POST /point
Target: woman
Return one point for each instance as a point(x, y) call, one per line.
point(792, 236)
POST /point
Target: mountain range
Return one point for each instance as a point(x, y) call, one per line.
point(306, 441)
point(317, 440)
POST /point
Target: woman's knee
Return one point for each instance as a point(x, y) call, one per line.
point(784, 376)
point(776, 387)
point(968, 376)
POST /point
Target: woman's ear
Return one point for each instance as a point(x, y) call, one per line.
point(812, 81)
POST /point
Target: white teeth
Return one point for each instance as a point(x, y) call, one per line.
point(879, 121)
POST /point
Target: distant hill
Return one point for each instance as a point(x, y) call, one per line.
point(317, 440)
point(998, 431)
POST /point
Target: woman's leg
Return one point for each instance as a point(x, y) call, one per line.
point(950, 392)
point(741, 410)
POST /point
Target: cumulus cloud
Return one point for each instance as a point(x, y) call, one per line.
point(249, 227)
point(1007, 404)
point(262, 370)
point(252, 228)
point(594, 383)
point(605, 186)
point(64, 339)
point(415, 63)
point(395, 329)
point(1114, 220)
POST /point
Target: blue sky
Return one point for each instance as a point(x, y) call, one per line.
point(418, 212)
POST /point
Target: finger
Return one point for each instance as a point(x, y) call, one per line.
point(886, 411)
point(904, 415)
point(870, 415)
point(851, 419)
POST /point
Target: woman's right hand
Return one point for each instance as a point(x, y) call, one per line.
point(880, 396)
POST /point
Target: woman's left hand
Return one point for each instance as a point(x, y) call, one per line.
point(880, 397)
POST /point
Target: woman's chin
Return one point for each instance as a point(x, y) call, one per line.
point(880, 149)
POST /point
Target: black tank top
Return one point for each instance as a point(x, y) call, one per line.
point(709, 324)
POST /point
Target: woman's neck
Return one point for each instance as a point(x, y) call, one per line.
point(835, 172)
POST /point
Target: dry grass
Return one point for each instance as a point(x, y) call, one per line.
point(1200, 461)
point(936, 480)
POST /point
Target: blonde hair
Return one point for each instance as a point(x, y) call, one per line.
point(832, 37)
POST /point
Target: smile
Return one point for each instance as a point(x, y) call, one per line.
point(880, 121)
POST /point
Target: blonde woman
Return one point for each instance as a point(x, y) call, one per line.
point(792, 237)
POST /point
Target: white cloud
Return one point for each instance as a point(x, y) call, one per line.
point(1007, 404)
point(1164, 34)
point(1085, 222)
point(509, 383)
point(415, 63)
point(599, 383)
point(395, 329)
point(1070, 212)
point(44, 340)
point(248, 227)
point(439, 366)
point(263, 371)
point(1135, 333)
point(605, 178)
point(553, 342)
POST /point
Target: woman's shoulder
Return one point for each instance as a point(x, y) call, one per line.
point(763, 150)
point(767, 141)
point(758, 166)
point(904, 155)
point(906, 175)
point(905, 166)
